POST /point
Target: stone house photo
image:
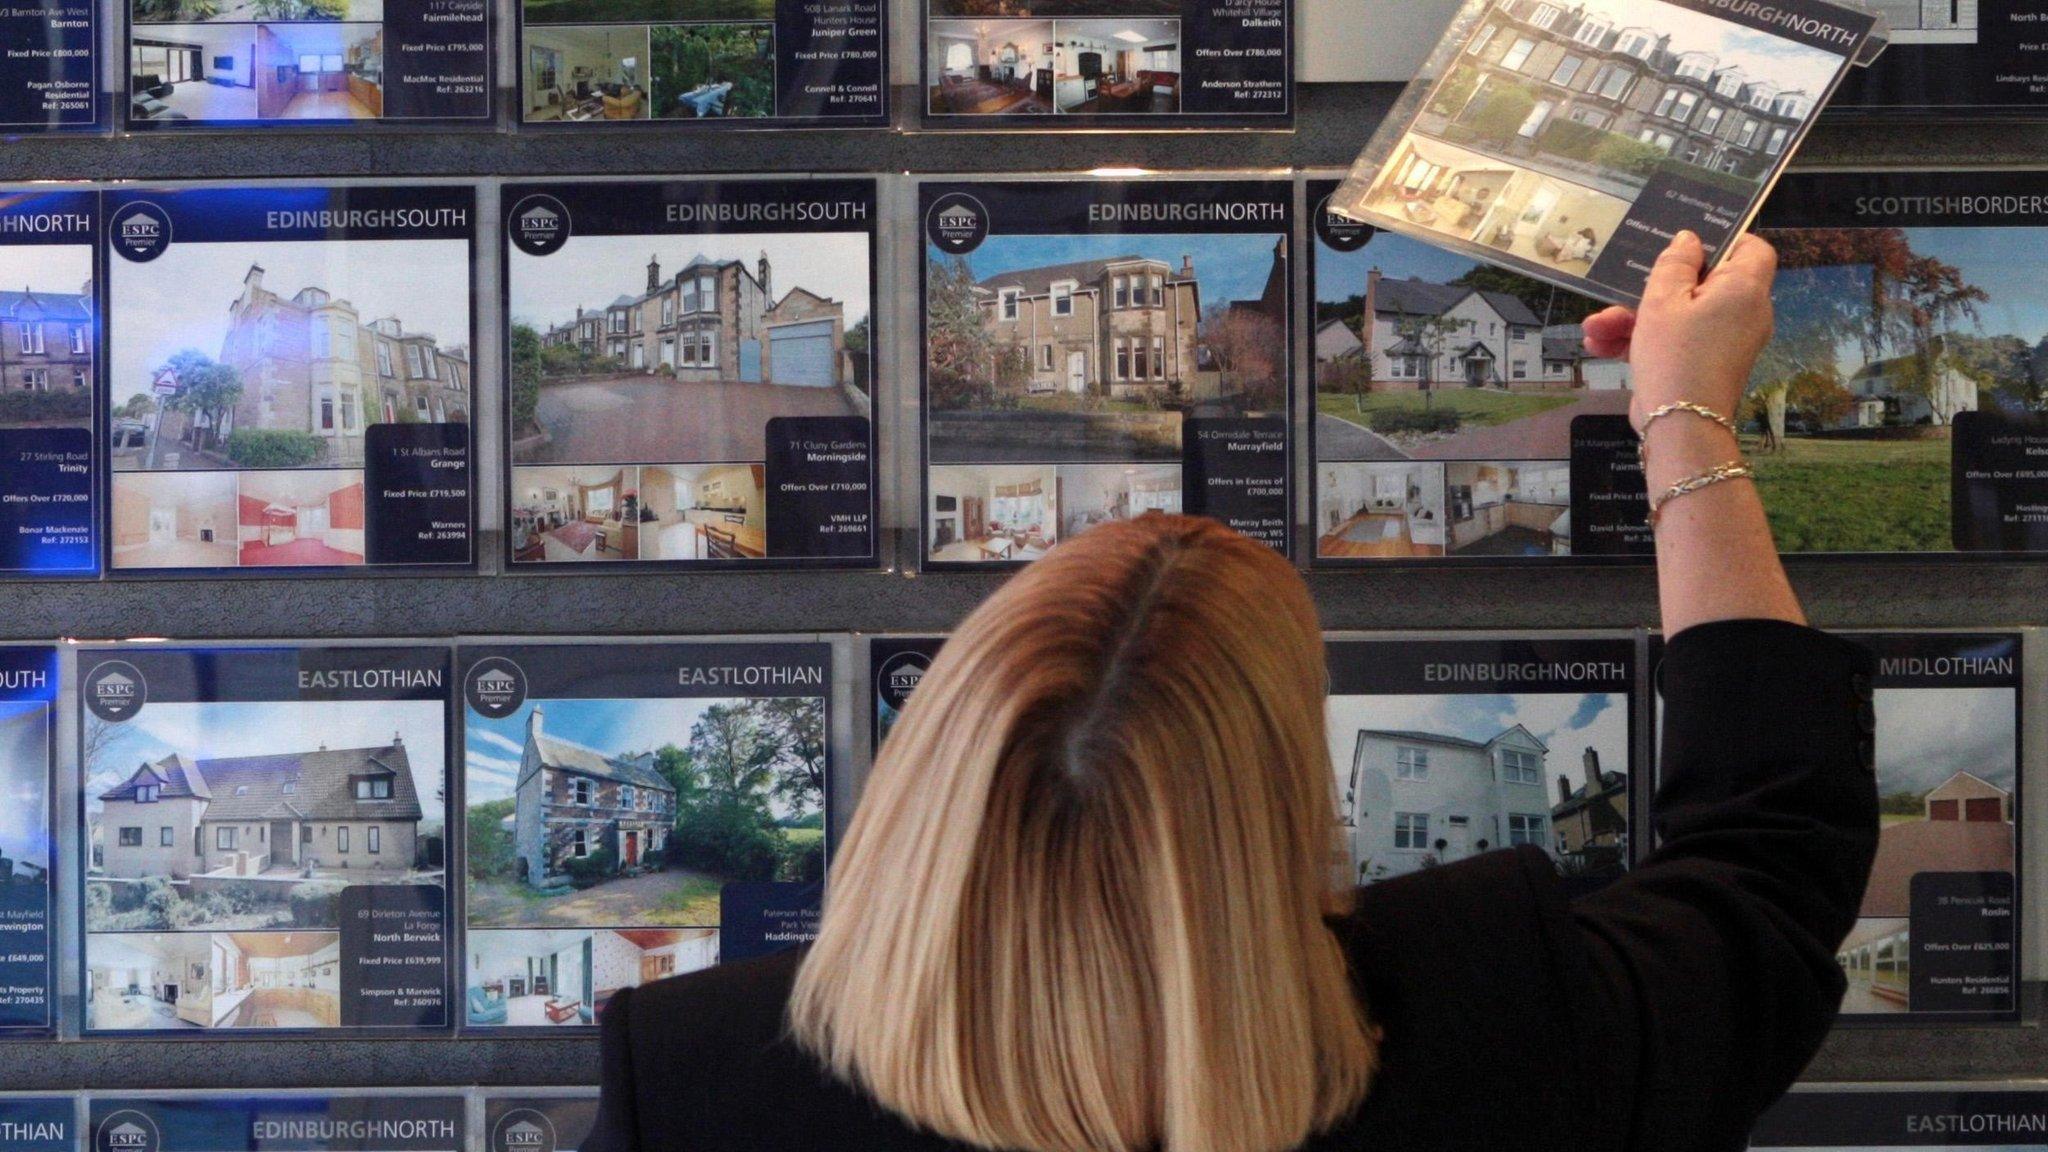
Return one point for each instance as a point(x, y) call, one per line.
point(49, 336)
point(573, 803)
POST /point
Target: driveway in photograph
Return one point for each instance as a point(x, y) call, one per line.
point(674, 898)
point(1340, 439)
point(637, 419)
point(1544, 436)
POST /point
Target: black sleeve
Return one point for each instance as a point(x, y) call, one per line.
point(1712, 965)
point(617, 1128)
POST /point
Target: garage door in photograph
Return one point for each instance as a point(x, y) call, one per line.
point(801, 354)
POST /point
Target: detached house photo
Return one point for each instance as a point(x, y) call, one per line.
point(573, 803)
point(1099, 358)
point(278, 356)
point(555, 977)
point(630, 349)
point(48, 336)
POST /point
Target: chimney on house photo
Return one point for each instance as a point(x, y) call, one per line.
point(765, 275)
point(1594, 784)
point(1187, 266)
point(1564, 789)
point(653, 273)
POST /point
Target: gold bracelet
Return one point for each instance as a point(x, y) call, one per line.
point(1719, 473)
point(1699, 410)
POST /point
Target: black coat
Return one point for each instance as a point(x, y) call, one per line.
point(1663, 1012)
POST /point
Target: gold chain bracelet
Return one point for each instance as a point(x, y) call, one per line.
point(1719, 473)
point(1699, 410)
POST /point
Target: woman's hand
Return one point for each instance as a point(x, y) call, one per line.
point(1692, 339)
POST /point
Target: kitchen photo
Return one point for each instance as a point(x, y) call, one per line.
point(1509, 508)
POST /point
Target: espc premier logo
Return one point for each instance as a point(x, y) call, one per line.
point(1340, 232)
point(115, 691)
point(127, 1131)
point(497, 687)
point(899, 677)
point(523, 1130)
point(539, 225)
point(958, 223)
point(140, 231)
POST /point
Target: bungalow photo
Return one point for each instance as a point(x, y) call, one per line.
point(1095, 348)
point(25, 813)
point(268, 356)
point(604, 813)
point(997, 514)
point(1946, 772)
point(48, 336)
point(554, 977)
point(1599, 98)
point(241, 817)
point(1424, 354)
point(649, 349)
point(1884, 336)
point(177, 981)
point(1428, 780)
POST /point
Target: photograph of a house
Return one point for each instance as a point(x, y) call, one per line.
point(1380, 511)
point(1094, 348)
point(1118, 67)
point(257, 815)
point(49, 334)
point(1931, 21)
point(636, 812)
point(1509, 508)
point(1946, 770)
point(305, 519)
point(149, 980)
point(1428, 780)
point(658, 349)
point(176, 520)
point(990, 67)
point(1884, 337)
point(587, 73)
point(24, 801)
point(1421, 353)
point(575, 515)
point(269, 71)
point(282, 355)
point(564, 977)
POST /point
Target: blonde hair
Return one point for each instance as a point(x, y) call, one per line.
point(1081, 906)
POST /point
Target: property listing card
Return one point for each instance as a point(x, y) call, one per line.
point(704, 63)
point(342, 1120)
point(1098, 349)
point(212, 64)
point(1906, 1118)
point(539, 1120)
point(896, 665)
point(1954, 58)
point(290, 377)
point(1447, 391)
point(28, 941)
point(636, 811)
point(1448, 748)
point(50, 67)
point(1094, 64)
point(1571, 142)
point(49, 354)
point(266, 838)
point(690, 377)
point(39, 1123)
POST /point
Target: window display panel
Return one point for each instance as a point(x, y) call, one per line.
point(53, 86)
point(1095, 64)
point(1446, 391)
point(1448, 748)
point(358, 64)
point(635, 811)
point(341, 1120)
point(49, 381)
point(692, 371)
point(265, 838)
point(538, 1120)
point(1906, 1118)
point(1952, 58)
point(293, 378)
point(1095, 350)
point(28, 934)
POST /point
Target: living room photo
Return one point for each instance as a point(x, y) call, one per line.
point(1380, 511)
point(251, 72)
point(585, 73)
point(564, 977)
point(990, 67)
point(574, 514)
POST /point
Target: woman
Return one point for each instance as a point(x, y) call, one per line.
point(1087, 904)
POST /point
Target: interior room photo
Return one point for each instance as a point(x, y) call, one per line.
point(574, 514)
point(576, 74)
point(276, 979)
point(1094, 494)
point(1515, 508)
point(1380, 511)
point(193, 72)
point(175, 520)
point(703, 512)
point(539, 978)
point(1118, 67)
point(987, 514)
point(990, 67)
point(314, 71)
point(148, 980)
point(306, 519)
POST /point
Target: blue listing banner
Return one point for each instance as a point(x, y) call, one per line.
point(37, 1124)
point(49, 377)
point(49, 69)
point(304, 1122)
point(761, 919)
point(28, 688)
point(46, 520)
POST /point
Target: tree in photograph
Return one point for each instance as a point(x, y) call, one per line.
point(795, 726)
point(526, 370)
point(207, 391)
point(962, 356)
point(728, 828)
point(140, 406)
point(712, 70)
point(858, 337)
point(491, 854)
point(1498, 114)
point(1833, 295)
point(2002, 364)
point(1551, 304)
point(1249, 350)
point(1431, 335)
point(1817, 394)
point(1935, 301)
point(1456, 90)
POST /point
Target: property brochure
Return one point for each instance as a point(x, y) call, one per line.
point(39, 1123)
point(1447, 748)
point(1952, 58)
point(28, 701)
point(341, 1120)
point(704, 63)
point(540, 1120)
point(1571, 141)
point(691, 367)
point(359, 64)
point(49, 350)
point(1906, 1118)
point(292, 377)
point(896, 664)
point(1094, 64)
point(265, 838)
point(1097, 349)
point(50, 70)
point(635, 811)
point(1446, 393)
